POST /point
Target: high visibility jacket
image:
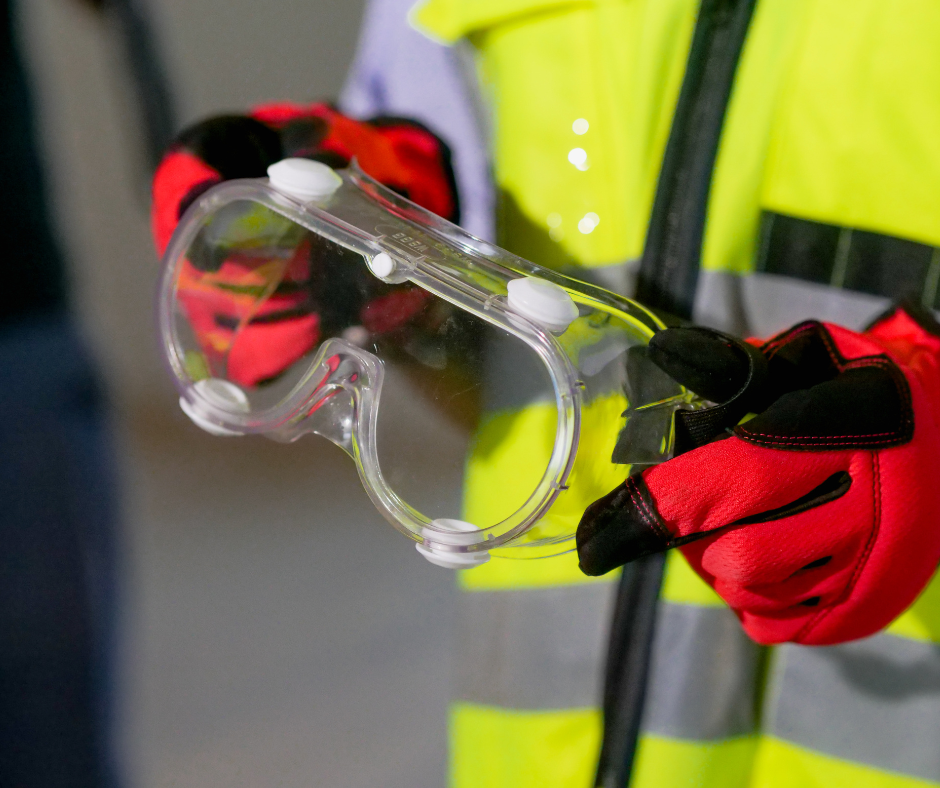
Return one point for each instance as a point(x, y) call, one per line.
point(824, 202)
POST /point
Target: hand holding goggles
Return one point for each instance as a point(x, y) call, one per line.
point(318, 301)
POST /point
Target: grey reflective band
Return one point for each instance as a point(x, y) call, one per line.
point(616, 277)
point(875, 702)
point(514, 377)
point(764, 304)
point(785, 290)
point(533, 649)
point(704, 675)
point(849, 258)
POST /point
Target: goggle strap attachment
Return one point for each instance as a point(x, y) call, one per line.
point(542, 302)
point(221, 393)
point(304, 179)
point(456, 532)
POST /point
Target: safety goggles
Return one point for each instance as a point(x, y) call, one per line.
point(320, 302)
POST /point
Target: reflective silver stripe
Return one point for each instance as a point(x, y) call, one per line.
point(703, 682)
point(538, 648)
point(514, 376)
point(719, 303)
point(617, 277)
point(875, 701)
point(764, 304)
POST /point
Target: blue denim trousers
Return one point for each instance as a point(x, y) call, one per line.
point(57, 562)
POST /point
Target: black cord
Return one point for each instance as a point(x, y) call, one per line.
point(152, 91)
point(668, 279)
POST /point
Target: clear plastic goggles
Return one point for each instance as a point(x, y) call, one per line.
point(321, 302)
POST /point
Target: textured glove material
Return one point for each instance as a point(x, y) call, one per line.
point(817, 520)
point(400, 153)
point(284, 328)
point(261, 342)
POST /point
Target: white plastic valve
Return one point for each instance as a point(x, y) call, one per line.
point(455, 532)
point(543, 302)
point(382, 265)
point(304, 178)
point(222, 394)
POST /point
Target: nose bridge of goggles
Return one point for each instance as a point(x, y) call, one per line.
point(344, 390)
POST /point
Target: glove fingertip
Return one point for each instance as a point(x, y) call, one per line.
point(710, 363)
point(619, 528)
point(179, 180)
point(236, 146)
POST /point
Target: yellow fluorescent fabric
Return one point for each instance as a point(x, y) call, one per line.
point(616, 65)
point(548, 749)
point(834, 117)
point(734, 203)
point(783, 765)
point(670, 763)
point(921, 621)
point(508, 457)
point(857, 144)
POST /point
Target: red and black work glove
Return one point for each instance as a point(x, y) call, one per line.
point(818, 519)
point(297, 314)
point(399, 153)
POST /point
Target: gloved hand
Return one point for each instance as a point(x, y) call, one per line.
point(256, 338)
point(399, 153)
point(817, 520)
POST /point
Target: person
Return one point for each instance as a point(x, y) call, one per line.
point(746, 165)
point(787, 143)
point(59, 565)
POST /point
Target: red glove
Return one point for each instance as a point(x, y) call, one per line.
point(254, 339)
point(818, 520)
point(399, 153)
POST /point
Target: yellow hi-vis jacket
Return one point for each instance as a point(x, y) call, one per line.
point(824, 202)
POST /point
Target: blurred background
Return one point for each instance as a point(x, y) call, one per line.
point(274, 630)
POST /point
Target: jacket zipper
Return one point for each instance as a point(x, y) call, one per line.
point(667, 281)
point(669, 269)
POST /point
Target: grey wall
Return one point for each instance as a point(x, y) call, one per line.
point(276, 632)
point(223, 55)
